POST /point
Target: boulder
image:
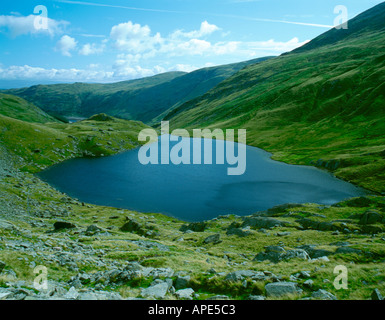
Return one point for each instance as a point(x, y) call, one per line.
point(185, 294)
point(214, 239)
point(276, 254)
point(296, 253)
point(157, 291)
point(182, 282)
point(93, 229)
point(315, 253)
point(360, 202)
point(59, 225)
point(272, 253)
point(371, 217)
point(132, 226)
point(239, 275)
point(323, 295)
point(238, 232)
point(307, 223)
point(195, 226)
point(281, 289)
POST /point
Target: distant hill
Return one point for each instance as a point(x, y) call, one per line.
point(322, 103)
point(144, 99)
point(17, 108)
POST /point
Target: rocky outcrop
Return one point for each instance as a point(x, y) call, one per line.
point(276, 254)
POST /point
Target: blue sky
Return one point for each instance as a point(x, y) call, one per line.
point(114, 40)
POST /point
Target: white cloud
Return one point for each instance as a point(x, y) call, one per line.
point(205, 29)
point(36, 73)
point(65, 45)
point(22, 25)
point(192, 47)
point(91, 48)
point(134, 38)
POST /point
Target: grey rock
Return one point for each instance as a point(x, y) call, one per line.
point(296, 253)
point(323, 295)
point(194, 226)
point(281, 289)
point(185, 294)
point(240, 275)
point(93, 229)
point(371, 217)
point(157, 291)
point(133, 226)
point(161, 273)
point(182, 282)
point(59, 225)
point(4, 295)
point(213, 239)
point(314, 252)
point(72, 294)
point(276, 254)
point(238, 232)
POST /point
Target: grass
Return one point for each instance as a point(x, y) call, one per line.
point(42, 145)
point(324, 103)
point(145, 100)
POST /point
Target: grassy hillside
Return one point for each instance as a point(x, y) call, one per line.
point(110, 253)
point(143, 100)
point(15, 107)
point(38, 146)
point(324, 105)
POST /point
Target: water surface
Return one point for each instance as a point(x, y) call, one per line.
point(195, 192)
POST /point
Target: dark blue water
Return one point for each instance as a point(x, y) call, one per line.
point(195, 192)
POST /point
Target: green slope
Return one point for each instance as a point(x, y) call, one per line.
point(322, 104)
point(38, 145)
point(144, 99)
point(15, 107)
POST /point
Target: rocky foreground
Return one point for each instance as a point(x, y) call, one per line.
point(53, 247)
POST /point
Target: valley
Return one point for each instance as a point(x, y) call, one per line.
point(322, 105)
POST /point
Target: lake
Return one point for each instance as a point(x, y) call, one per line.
point(195, 192)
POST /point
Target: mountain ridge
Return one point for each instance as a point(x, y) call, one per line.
point(143, 99)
